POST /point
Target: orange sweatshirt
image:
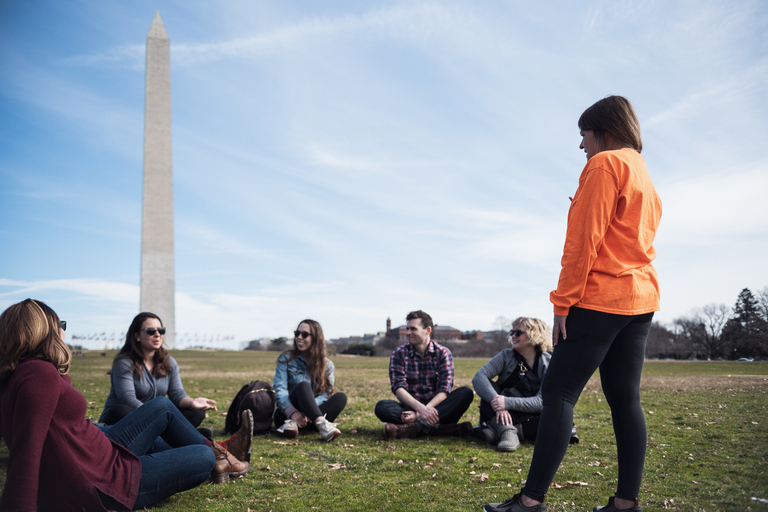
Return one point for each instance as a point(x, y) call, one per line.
point(608, 251)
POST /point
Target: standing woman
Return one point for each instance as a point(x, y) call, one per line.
point(604, 303)
point(58, 460)
point(143, 370)
point(511, 405)
point(304, 386)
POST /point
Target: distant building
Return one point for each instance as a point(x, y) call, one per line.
point(473, 335)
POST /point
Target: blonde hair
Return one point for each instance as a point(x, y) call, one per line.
point(538, 332)
point(30, 330)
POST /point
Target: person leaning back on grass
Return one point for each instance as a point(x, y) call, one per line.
point(304, 386)
point(421, 377)
point(606, 295)
point(58, 460)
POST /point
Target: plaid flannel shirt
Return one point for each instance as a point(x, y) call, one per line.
point(422, 377)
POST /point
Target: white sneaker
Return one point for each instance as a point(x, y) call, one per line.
point(328, 430)
point(289, 429)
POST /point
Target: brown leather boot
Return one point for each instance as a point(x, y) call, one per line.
point(454, 429)
point(226, 465)
point(392, 431)
point(239, 444)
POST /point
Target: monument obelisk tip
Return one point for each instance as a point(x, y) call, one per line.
point(157, 29)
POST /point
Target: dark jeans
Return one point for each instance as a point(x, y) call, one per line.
point(303, 398)
point(450, 410)
point(615, 344)
point(187, 463)
point(116, 413)
point(529, 422)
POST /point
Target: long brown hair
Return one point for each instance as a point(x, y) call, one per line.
point(30, 330)
point(614, 115)
point(316, 359)
point(132, 348)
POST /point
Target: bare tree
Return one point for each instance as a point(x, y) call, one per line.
point(712, 318)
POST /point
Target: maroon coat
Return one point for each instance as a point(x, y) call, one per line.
point(58, 459)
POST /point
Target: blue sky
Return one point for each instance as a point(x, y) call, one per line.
point(353, 161)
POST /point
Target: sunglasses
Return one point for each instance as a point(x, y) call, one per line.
point(303, 334)
point(63, 324)
point(151, 331)
point(516, 332)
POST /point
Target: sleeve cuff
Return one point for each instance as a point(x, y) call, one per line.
point(290, 410)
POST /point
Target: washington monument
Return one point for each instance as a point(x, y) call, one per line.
point(157, 267)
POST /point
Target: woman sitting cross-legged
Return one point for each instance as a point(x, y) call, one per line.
point(304, 386)
point(58, 460)
point(143, 370)
point(511, 405)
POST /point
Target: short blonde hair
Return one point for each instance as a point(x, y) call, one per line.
point(538, 332)
point(30, 330)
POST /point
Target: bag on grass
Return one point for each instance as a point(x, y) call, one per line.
point(259, 397)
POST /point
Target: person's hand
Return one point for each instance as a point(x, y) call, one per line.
point(498, 403)
point(299, 419)
point(558, 326)
point(504, 417)
point(409, 416)
point(430, 415)
point(203, 404)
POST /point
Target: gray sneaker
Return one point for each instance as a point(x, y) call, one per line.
point(514, 504)
point(611, 508)
point(508, 440)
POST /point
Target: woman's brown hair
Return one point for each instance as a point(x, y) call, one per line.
point(316, 359)
point(30, 330)
point(132, 348)
point(616, 116)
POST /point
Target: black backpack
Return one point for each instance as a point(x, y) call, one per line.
point(259, 397)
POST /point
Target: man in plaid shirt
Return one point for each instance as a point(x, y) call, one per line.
point(421, 376)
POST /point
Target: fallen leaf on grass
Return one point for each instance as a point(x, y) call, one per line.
point(595, 463)
point(287, 443)
point(482, 476)
point(496, 465)
point(337, 465)
point(599, 473)
point(697, 483)
point(568, 483)
point(472, 459)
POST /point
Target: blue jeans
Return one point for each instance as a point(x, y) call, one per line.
point(450, 410)
point(183, 460)
point(616, 345)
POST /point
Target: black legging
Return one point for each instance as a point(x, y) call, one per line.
point(120, 411)
point(615, 344)
point(303, 398)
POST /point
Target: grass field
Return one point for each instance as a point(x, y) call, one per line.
point(707, 446)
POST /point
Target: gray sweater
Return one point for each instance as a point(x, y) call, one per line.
point(127, 388)
point(502, 365)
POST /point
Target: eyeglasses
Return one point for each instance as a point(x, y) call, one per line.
point(151, 331)
point(63, 324)
point(516, 332)
point(303, 334)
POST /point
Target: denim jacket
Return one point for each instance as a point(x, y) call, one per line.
point(288, 374)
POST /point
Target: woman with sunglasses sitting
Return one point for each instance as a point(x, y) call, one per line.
point(511, 405)
point(59, 460)
point(143, 370)
point(304, 386)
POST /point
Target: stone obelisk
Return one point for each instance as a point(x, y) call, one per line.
point(157, 261)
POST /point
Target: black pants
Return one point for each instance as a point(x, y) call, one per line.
point(303, 399)
point(615, 344)
point(450, 410)
point(118, 412)
point(530, 422)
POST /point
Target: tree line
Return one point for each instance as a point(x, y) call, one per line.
point(715, 331)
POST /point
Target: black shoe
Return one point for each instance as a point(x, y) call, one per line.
point(205, 432)
point(611, 508)
point(485, 434)
point(514, 504)
point(574, 436)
